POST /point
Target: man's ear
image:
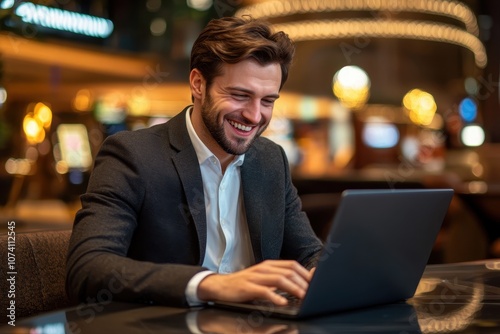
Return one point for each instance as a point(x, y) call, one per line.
point(197, 84)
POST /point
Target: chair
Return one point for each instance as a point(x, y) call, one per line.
point(40, 264)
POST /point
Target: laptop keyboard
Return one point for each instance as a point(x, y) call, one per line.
point(292, 299)
point(293, 302)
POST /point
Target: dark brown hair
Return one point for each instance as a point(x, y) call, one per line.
point(231, 40)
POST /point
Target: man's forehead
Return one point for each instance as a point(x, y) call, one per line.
point(248, 72)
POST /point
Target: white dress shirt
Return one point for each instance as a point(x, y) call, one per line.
point(229, 248)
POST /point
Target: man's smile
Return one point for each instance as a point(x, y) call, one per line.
point(240, 126)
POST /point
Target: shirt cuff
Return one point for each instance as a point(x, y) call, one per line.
point(192, 288)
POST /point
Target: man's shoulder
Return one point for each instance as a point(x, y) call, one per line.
point(265, 144)
point(266, 152)
point(139, 136)
point(154, 133)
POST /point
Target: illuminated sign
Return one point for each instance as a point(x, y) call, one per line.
point(74, 145)
point(58, 19)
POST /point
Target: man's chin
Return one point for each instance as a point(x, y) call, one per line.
point(240, 148)
point(238, 151)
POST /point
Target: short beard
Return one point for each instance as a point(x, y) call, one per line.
point(217, 130)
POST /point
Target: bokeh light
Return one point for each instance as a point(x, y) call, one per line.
point(158, 26)
point(379, 133)
point(43, 114)
point(420, 106)
point(83, 100)
point(472, 135)
point(468, 109)
point(3, 96)
point(36, 122)
point(200, 5)
point(33, 129)
point(471, 86)
point(351, 86)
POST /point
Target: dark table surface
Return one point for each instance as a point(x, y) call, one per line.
point(451, 298)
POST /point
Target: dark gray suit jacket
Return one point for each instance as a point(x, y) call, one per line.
point(141, 233)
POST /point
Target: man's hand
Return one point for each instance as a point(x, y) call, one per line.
point(257, 282)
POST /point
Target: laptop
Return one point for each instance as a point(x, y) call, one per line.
point(376, 252)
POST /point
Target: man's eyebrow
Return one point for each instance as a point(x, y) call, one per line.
point(250, 92)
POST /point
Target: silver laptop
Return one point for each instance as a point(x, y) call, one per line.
point(376, 252)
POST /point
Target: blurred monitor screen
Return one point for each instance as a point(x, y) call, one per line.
point(74, 145)
point(380, 135)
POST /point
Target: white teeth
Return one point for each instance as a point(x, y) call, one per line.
point(240, 126)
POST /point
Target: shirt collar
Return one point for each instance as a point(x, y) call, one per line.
point(202, 151)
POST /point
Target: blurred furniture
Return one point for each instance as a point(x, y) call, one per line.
point(40, 272)
point(39, 215)
point(6, 182)
point(486, 208)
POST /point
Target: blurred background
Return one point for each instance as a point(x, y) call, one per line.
point(382, 94)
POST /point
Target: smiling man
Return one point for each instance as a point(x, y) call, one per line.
point(200, 208)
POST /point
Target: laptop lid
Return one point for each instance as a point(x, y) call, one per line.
point(376, 251)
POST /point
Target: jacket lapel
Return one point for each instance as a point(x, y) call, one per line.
point(186, 163)
point(253, 196)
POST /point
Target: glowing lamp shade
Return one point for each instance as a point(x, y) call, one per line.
point(377, 134)
point(472, 135)
point(351, 86)
point(467, 109)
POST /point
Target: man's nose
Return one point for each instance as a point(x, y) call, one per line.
point(252, 112)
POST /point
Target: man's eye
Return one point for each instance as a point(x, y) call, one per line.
point(239, 96)
point(268, 102)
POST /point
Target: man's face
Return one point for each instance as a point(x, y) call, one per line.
point(238, 105)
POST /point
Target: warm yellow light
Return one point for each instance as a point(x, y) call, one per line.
point(33, 129)
point(420, 106)
point(43, 114)
point(384, 28)
point(283, 8)
point(18, 166)
point(83, 100)
point(11, 166)
point(139, 106)
point(62, 167)
point(351, 86)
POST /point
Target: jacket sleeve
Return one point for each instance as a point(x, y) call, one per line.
point(98, 268)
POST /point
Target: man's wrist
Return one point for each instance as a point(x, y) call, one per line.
point(192, 288)
point(206, 288)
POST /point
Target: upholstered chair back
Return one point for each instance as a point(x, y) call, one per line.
point(40, 267)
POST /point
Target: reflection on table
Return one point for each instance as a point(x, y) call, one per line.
point(451, 298)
